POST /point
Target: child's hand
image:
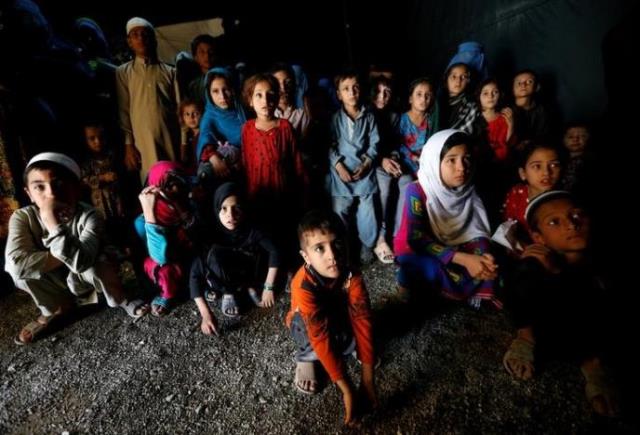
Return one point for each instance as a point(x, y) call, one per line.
point(132, 158)
point(268, 299)
point(481, 267)
point(362, 170)
point(147, 200)
point(209, 325)
point(220, 167)
point(391, 167)
point(542, 254)
point(343, 173)
point(348, 400)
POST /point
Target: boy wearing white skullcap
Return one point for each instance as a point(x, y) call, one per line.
point(54, 246)
point(148, 97)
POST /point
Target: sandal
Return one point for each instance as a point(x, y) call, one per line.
point(384, 253)
point(599, 390)
point(160, 306)
point(33, 330)
point(229, 305)
point(135, 308)
point(518, 359)
point(305, 379)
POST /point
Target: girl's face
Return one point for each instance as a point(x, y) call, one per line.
point(230, 214)
point(95, 138)
point(221, 93)
point(421, 98)
point(191, 116)
point(286, 88)
point(541, 172)
point(382, 97)
point(489, 96)
point(455, 167)
point(524, 85)
point(575, 139)
point(349, 92)
point(263, 100)
point(457, 80)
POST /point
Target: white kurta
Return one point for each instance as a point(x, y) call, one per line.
point(147, 100)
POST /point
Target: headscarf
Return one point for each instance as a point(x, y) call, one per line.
point(217, 124)
point(238, 236)
point(162, 174)
point(456, 215)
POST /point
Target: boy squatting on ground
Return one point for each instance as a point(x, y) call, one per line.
point(54, 246)
point(557, 299)
point(330, 314)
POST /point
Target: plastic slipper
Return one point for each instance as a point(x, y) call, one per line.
point(384, 253)
point(306, 371)
point(229, 305)
point(135, 308)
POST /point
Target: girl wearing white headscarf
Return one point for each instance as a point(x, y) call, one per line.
point(443, 239)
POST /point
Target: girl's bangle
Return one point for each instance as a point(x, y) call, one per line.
point(268, 287)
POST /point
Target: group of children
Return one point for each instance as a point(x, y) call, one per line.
point(220, 214)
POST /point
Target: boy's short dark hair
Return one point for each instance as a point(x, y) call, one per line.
point(376, 81)
point(539, 200)
point(203, 38)
point(326, 222)
point(344, 75)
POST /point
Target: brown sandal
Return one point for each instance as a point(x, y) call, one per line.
point(32, 330)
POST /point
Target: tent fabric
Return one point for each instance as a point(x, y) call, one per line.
point(174, 38)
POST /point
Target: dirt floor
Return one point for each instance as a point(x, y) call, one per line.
point(440, 373)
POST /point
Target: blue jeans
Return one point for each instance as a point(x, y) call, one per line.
point(389, 210)
point(367, 224)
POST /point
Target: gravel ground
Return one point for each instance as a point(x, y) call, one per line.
point(440, 373)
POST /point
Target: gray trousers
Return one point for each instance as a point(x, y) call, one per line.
point(59, 286)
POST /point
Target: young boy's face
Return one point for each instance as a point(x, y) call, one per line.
point(561, 226)
point(205, 56)
point(524, 85)
point(575, 139)
point(349, 92)
point(141, 40)
point(455, 167)
point(95, 138)
point(286, 87)
point(230, 213)
point(263, 100)
point(323, 251)
point(220, 93)
point(44, 187)
point(191, 116)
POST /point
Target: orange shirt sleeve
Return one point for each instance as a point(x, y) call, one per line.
point(360, 314)
point(316, 320)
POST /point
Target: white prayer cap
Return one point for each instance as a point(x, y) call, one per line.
point(58, 158)
point(137, 22)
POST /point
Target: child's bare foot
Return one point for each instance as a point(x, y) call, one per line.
point(599, 388)
point(518, 359)
point(305, 379)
